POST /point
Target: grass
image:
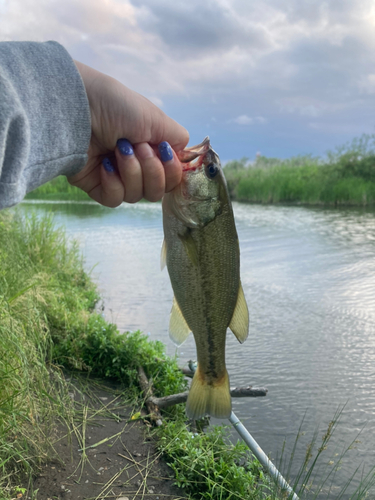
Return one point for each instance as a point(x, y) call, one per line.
point(208, 466)
point(315, 476)
point(47, 319)
point(38, 271)
point(345, 177)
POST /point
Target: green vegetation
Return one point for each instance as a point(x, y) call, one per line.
point(98, 347)
point(58, 189)
point(41, 284)
point(347, 177)
point(208, 466)
point(47, 319)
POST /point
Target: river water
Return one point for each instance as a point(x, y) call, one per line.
point(308, 275)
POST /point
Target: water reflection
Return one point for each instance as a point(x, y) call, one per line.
point(308, 275)
point(79, 209)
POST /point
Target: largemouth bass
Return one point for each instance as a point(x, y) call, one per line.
point(202, 254)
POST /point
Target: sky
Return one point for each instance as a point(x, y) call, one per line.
point(276, 77)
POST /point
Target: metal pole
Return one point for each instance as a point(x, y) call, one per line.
point(255, 448)
point(261, 456)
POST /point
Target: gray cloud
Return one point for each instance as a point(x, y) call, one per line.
point(302, 65)
point(188, 27)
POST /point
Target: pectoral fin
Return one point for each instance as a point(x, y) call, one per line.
point(190, 246)
point(178, 328)
point(163, 255)
point(240, 320)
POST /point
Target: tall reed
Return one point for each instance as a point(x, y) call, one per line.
point(344, 177)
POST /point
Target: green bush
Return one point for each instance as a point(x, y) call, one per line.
point(208, 466)
point(98, 347)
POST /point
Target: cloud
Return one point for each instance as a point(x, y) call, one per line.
point(165, 46)
point(293, 62)
point(243, 120)
point(247, 120)
point(188, 27)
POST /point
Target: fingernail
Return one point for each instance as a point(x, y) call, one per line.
point(125, 147)
point(166, 153)
point(108, 165)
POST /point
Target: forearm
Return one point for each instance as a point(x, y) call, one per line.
point(44, 117)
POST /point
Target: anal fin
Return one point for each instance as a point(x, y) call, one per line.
point(239, 323)
point(178, 328)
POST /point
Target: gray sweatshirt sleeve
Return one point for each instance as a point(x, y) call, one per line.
point(44, 117)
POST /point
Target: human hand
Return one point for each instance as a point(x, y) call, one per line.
point(120, 169)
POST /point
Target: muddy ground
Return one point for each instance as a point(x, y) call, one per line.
point(103, 454)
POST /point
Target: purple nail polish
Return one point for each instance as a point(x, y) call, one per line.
point(108, 165)
point(125, 147)
point(166, 153)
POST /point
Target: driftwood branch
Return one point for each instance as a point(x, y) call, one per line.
point(187, 372)
point(236, 392)
point(174, 399)
point(153, 403)
point(152, 407)
point(248, 392)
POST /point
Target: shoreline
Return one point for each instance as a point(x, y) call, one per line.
point(57, 201)
point(252, 186)
point(44, 275)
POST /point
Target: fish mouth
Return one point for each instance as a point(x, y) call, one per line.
point(188, 155)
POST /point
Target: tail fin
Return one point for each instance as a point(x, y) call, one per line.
point(209, 399)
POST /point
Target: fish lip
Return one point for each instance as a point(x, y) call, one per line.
point(194, 157)
point(206, 141)
point(187, 155)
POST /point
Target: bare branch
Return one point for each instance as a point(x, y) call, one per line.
point(236, 392)
point(152, 407)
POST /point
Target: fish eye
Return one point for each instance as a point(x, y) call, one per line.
point(211, 170)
